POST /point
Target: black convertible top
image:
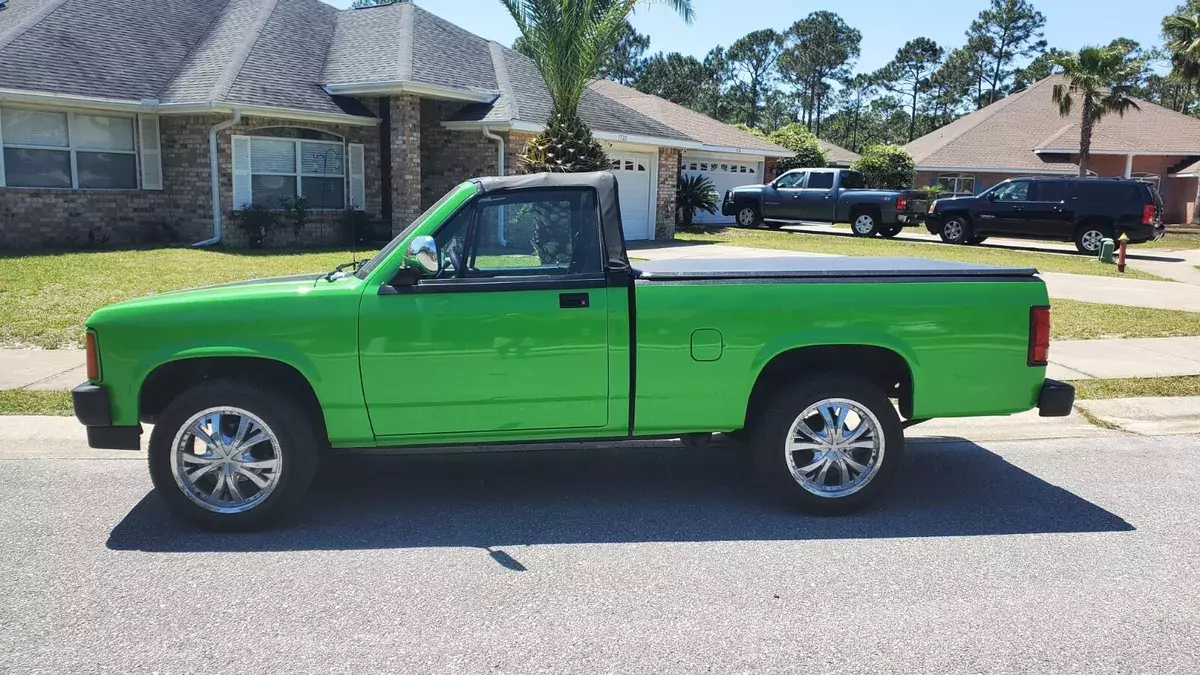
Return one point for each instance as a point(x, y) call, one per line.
point(818, 267)
point(603, 182)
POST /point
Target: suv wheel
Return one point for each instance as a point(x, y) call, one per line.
point(864, 223)
point(1089, 237)
point(231, 455)
point(830, 445)
point(956, 230)
point(748, 216)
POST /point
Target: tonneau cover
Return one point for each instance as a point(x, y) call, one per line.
point(817, 267)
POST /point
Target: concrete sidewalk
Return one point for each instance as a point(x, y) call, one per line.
point(47, 369)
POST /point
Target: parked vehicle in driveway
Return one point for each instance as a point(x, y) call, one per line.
point(828, 196)
point(509, 313)
point(1082, 210)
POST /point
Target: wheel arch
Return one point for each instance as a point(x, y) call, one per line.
point(170, 379)
point(885, 366)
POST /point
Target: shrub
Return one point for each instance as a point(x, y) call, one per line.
point(256, 220)
point(887, 166)
point(297, 211)
point(751, 130)
point(798, 139)
point(691, 194)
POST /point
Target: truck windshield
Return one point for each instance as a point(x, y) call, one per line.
point(457, 195)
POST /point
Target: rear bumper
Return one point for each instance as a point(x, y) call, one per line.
point(93, 409)
point(909, 219)
point(1056, 399)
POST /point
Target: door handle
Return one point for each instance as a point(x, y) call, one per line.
point(574, 301)
point(795, 196)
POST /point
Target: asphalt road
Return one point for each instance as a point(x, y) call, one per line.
point(1070, 556)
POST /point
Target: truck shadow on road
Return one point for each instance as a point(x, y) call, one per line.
point(666, 494)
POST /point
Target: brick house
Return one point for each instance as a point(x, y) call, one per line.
point(1023, 135)
point(114, 120)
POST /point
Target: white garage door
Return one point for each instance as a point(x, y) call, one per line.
point(725, 174)
point(633, 179)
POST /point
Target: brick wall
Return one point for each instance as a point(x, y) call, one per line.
point(41, 218)
point(450, 157)
point(514, 145)
point(322, 226)
point(406, 160)
point(668, 181)
point(770, 169)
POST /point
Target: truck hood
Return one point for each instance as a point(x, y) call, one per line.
point(251, 288)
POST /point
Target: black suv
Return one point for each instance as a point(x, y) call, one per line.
point(1083, 210)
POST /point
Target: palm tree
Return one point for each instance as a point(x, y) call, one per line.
point(568, 41)
point(1182, 33)
point(1099, 79)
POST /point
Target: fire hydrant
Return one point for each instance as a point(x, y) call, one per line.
point(1124, 239)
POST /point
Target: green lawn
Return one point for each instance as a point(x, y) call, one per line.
point(1073, 320)
point(875, 246)
point(29, 402)
point(45, 297)
point(1143, 386)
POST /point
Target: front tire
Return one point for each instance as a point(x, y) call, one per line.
point(864, 223)
point(748, 216)
point(828, 446)
point(230, 455)
point(956, 230)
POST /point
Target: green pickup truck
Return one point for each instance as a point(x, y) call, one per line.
point(509, 313)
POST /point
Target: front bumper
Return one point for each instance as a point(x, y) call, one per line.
point(1056, 399)
point(93, 409)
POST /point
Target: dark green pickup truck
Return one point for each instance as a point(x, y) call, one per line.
point(509, 313)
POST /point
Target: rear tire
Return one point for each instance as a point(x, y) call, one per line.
point(233, 483)
point(1089, 236)
point(748, 216)
point(820, 477)
point(976, 240)
point(956, 230)
point(774, 224)
point(864, 223)
point(891, 231)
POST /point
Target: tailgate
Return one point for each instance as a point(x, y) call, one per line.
point(918, 201)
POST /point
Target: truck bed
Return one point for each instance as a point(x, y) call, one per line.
point(822, 267)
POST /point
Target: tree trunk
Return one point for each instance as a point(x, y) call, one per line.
point(912, 117)
point(820, 101)
point(1085, 136)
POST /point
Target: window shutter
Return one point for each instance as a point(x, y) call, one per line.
point(357, 182)
point(151, 152)
point(2, 183)
point(242, 196)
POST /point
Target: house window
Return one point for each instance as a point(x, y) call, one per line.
point(68, 150)
point(282, 169)
point(957, 183)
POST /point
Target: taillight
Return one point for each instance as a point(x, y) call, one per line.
point(93, 357)
point(1148, 214)
point(901, 203)
point(1039, 336)
point(933, 207)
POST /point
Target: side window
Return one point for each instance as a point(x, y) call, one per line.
point(853, 180)
point(820, 180)
point(1051, 191)
point(523, 233)
point(1091, 191)
point(791, 180)
point(1016, 191)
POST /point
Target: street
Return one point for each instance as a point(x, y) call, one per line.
point(1070, 555)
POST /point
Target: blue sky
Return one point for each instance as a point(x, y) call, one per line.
point(885, 24)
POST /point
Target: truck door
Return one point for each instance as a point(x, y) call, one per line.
point(511, 335)
point(818, 199)
point(1003, 209)
point(781, 199)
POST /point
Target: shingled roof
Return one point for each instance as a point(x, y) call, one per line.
point(1024, 132)
point(298, 55)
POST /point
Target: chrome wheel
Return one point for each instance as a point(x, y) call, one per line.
point(226, 459)
point(1091, 239)
point(834, 448)
point(953, 230)
point(746, 217)
point(864, 224)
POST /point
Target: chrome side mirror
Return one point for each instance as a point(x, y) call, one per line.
point(422, 254)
